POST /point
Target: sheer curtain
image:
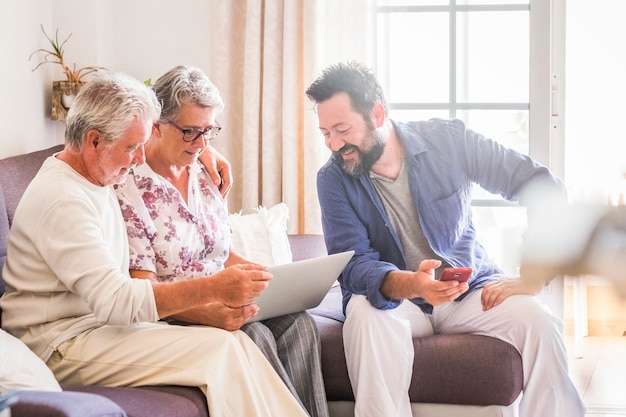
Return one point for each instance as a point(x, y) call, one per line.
point(264, 56)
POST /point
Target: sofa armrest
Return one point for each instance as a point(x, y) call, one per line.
point(152, 401)
point(470, 369)
point(64, 404)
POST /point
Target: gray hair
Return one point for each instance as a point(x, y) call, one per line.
point(185, 85)
point(109, 103)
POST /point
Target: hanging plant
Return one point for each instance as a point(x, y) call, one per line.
point(55, 55)
point(63, 92)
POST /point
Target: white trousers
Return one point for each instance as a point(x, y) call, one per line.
point(379, 351)
point(227, 366)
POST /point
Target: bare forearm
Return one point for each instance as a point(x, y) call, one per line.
point(196, 315)
point(398, 285)
point(176, 297)
point(218, 315)
point(235, 287)
point(165, 295)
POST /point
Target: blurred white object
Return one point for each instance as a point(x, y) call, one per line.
point(568, 239)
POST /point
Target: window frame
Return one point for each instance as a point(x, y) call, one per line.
point(545, 135)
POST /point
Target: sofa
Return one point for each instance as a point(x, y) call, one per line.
point(454, 375)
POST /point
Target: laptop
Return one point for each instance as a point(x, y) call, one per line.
point(298, 286)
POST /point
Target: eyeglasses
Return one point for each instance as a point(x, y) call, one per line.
point(190, 135)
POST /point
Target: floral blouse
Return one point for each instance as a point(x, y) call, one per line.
point(167, 236)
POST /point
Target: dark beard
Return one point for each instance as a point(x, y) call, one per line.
point(367, 158)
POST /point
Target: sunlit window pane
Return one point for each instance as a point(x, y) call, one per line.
point(414, 53)
point(492, 56)
point(507, 127)
point(491, 2)
point(500, 231)
point(413, 2)
point(413, 115)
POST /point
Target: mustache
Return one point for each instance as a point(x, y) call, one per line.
point(344, 149)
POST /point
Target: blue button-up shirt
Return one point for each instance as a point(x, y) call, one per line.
point(443, 159)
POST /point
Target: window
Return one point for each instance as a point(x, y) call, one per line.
point(481, 61)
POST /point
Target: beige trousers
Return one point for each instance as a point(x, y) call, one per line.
point(227, 366)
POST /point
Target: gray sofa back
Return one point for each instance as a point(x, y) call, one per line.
point(16, 172)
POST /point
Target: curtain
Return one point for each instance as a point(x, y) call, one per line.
point(264, 55)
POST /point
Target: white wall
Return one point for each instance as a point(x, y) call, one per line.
point(25, 97)
point(141, 37)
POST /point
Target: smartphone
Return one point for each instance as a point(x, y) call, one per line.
point(456, 274)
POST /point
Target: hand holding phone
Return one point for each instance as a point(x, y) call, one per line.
point(456, 274)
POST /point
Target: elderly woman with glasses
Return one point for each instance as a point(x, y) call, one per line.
point(178, 229)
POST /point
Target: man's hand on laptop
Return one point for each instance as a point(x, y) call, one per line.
point(228, 318)
point(239, 285)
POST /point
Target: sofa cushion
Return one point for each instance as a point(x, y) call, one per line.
point(331, 306)
point(334, 370)
point(21, 369)
point(261, 236)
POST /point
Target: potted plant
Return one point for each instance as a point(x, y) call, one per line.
point(63, 92)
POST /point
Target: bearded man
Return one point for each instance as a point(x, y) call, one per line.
point(399, 195)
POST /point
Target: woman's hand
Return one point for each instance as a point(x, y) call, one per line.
point(219, 169)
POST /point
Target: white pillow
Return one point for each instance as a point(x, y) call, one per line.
point(262, 236)
point(21, 369)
